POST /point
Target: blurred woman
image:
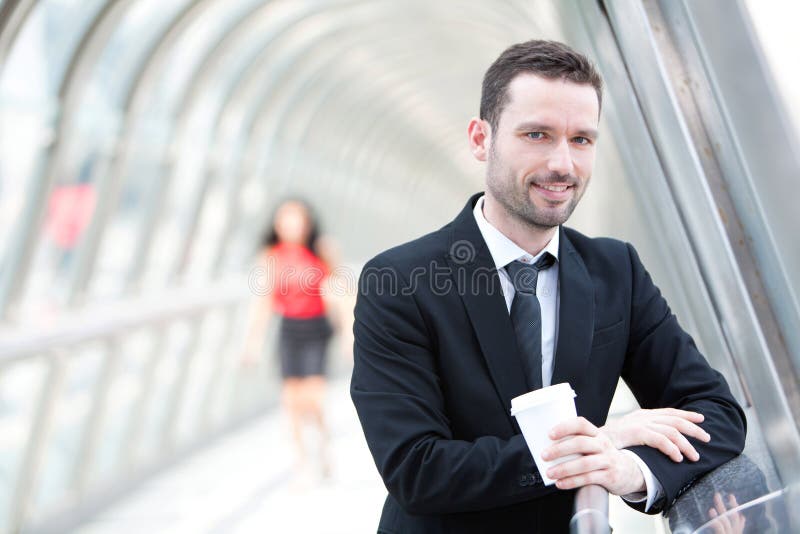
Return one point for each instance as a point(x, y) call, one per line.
point(297, 266)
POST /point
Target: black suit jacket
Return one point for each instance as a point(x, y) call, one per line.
point(436, 366)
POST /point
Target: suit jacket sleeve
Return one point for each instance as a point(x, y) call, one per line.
point(397, 394)
point(663, 368)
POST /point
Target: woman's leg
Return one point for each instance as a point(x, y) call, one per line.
point(292, 398)
point(315, 395)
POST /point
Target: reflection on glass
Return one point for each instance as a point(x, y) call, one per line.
point(732, 499)
point(68, 212)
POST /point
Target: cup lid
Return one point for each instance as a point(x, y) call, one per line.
point(541, 396)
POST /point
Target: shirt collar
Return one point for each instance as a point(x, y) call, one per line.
point(502, 249)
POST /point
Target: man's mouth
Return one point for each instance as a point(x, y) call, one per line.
point(555, 187)
point(553, 191)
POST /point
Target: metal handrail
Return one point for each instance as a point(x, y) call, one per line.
point(102, 322)
point(590, 514)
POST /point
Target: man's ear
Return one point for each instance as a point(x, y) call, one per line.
point(480, 137)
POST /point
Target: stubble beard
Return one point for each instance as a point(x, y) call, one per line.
point(515, 198)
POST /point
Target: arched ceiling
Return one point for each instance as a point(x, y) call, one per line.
point(359, 105)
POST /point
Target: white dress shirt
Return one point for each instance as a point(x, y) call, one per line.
point(503, 252)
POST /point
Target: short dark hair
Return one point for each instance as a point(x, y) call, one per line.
point(549, 59)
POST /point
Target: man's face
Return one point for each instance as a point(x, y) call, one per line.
point(541, 155)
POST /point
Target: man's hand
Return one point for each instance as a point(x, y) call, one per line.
point(601, 463)
point(724, 522)
point(663, 429)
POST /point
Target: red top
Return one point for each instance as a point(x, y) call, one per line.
point(297, 276)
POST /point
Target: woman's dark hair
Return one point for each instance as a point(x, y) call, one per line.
point(549, 59)
point(270, 236)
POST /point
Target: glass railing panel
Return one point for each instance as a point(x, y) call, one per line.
point(72, 410)
point(20, 391)
point(166, 374)
point(135, 353)
point(212, 332)
point(769, 514)
point(237, 388)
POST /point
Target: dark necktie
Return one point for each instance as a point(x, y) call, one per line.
point(526, 315)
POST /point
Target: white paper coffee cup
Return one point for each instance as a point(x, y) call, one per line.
point(537, 412)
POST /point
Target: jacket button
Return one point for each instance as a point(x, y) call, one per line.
point(523, 480)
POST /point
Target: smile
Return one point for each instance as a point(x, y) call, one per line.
point(554, 191)
point(555, 187)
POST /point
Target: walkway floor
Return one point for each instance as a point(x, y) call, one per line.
point(242, 484)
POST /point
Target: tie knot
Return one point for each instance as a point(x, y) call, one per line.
point(524, 275)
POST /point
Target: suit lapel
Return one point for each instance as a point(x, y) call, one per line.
point(575, 317)
point(478, 284)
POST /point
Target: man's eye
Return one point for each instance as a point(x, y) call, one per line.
point(582, 140)
point(536, 135)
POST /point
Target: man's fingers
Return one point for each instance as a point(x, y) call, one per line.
point(679, 440)
point(738, 518)
point(685, 427)
point(576, 426)
point(694, 417)
point(721, 519)
point(573, 445)
point(598, 477)
point(584, 464)
point(659, 441)
point(716, 524)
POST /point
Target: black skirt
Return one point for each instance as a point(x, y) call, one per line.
point(302, 346)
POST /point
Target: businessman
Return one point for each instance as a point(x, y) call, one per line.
point(504, 300)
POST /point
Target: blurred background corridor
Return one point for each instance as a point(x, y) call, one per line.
point(146, 144)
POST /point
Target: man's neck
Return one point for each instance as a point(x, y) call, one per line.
point(529, 238)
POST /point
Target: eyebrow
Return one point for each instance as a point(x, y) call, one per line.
point(542, 127)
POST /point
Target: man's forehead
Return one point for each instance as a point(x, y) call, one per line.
point(530, 79)
point(532, 85)
point(536, 95)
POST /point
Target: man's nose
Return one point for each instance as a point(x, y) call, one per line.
point(560, 158)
